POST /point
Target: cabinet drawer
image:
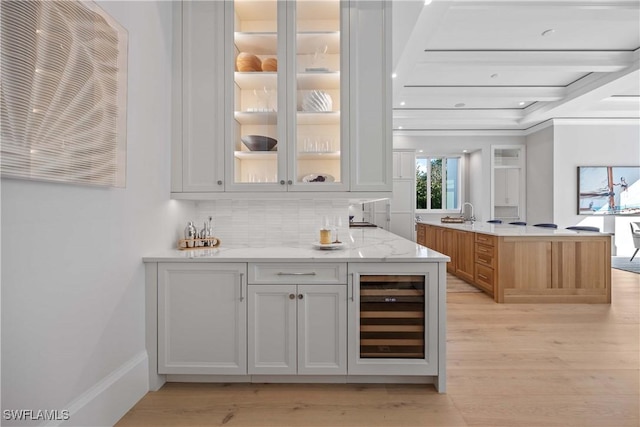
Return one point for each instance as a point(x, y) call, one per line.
point(484, 278)
point(486, 239)
point(485, 255)
point(299, 273)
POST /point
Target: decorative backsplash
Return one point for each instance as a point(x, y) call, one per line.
point(265, 223)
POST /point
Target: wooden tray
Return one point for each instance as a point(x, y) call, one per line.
point(204, 243)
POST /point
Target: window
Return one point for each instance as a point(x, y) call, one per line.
point(438, 183)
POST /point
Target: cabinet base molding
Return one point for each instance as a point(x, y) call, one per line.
point(302, 379)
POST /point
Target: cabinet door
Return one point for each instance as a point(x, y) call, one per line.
point(449, 243)
point(319, 102)
point(404, 165)
point(512, 190)
point(202, 318)
point(500, 187)
point(255, 58)
point(322, 329)
point(370, 96)
point(465, 255)
point(198, 159)
point(272, 329)
point(393, 319)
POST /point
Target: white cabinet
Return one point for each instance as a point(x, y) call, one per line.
point(394, 317)
point(404, 164)
point(402, 204)
point(508, 182)
point(507, 186)
point(297, 318)
point(297, 329)
point(318, 83)
point(202, 318)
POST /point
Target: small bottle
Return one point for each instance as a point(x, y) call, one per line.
point(190, 233)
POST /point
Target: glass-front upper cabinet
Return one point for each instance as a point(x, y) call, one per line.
point(256, 133)
point(318, 96)
point(284, 132)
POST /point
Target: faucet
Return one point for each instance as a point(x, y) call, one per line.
point(472, 218)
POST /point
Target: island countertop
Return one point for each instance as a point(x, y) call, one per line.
point(360, 245)
point(508, 230)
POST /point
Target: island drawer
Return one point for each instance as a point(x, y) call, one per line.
point(484, 277)
point(486, 239)
point(298, 273)
point(485, 255)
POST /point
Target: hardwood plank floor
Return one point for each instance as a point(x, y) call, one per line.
point(512, 365)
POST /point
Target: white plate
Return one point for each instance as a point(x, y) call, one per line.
point(312, 176)
point(329, 245)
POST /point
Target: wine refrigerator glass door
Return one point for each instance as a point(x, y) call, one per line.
point(392, 311)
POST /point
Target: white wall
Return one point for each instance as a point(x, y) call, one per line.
point(592, 143)
point(72, 274)
point(540, 176)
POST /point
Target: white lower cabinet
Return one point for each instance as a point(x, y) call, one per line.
point(265, 321)
point(297, 329)
point(202, 318)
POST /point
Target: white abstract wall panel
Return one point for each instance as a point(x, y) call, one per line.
point(62, 93)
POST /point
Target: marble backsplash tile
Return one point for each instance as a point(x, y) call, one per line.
point(263, 223)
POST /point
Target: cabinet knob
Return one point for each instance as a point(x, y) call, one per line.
point(282, 182)
point(300, 296)
point(289, 182)
point(292, 296)
point(219, 182)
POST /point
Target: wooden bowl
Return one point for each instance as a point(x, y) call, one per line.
point(248, 62)
point(259, 142)
point(270, 64)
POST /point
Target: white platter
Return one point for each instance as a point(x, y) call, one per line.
point(312, 176)
point(328, 246)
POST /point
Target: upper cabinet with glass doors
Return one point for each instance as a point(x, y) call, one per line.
point(286, 62)
point(299, 112)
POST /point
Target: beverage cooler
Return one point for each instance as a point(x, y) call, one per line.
point(393, 318)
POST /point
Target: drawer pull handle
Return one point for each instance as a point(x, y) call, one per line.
point(482, 276)
point(284, 273)
point(292, 296)
point(483, 261)
point(241, 289)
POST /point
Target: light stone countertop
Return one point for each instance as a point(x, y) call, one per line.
point(361, 245)
point(508, 230)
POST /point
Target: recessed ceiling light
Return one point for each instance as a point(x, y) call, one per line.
point(402, 103)
point(465, 151)
point(493, 76)
point(460, 104)
point(394, 75)
point(420, 151)
point(399, 127)
point(548, 32)
point(427, 2)
point(521, 103)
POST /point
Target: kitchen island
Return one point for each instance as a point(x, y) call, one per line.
point(371, 311)
point(527, 264)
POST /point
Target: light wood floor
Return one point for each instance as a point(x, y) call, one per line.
point(508, 365)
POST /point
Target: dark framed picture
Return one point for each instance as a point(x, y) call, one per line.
point(608, 190)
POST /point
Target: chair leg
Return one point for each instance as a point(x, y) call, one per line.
point(634, 254)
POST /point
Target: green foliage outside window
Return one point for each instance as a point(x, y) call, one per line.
point(421, 189)
point(436, 183)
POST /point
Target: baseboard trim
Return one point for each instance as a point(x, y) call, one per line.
point(109, 399)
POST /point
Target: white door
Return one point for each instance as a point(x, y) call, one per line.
point(322, 330)
point(202, 318)
point(272, 329)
